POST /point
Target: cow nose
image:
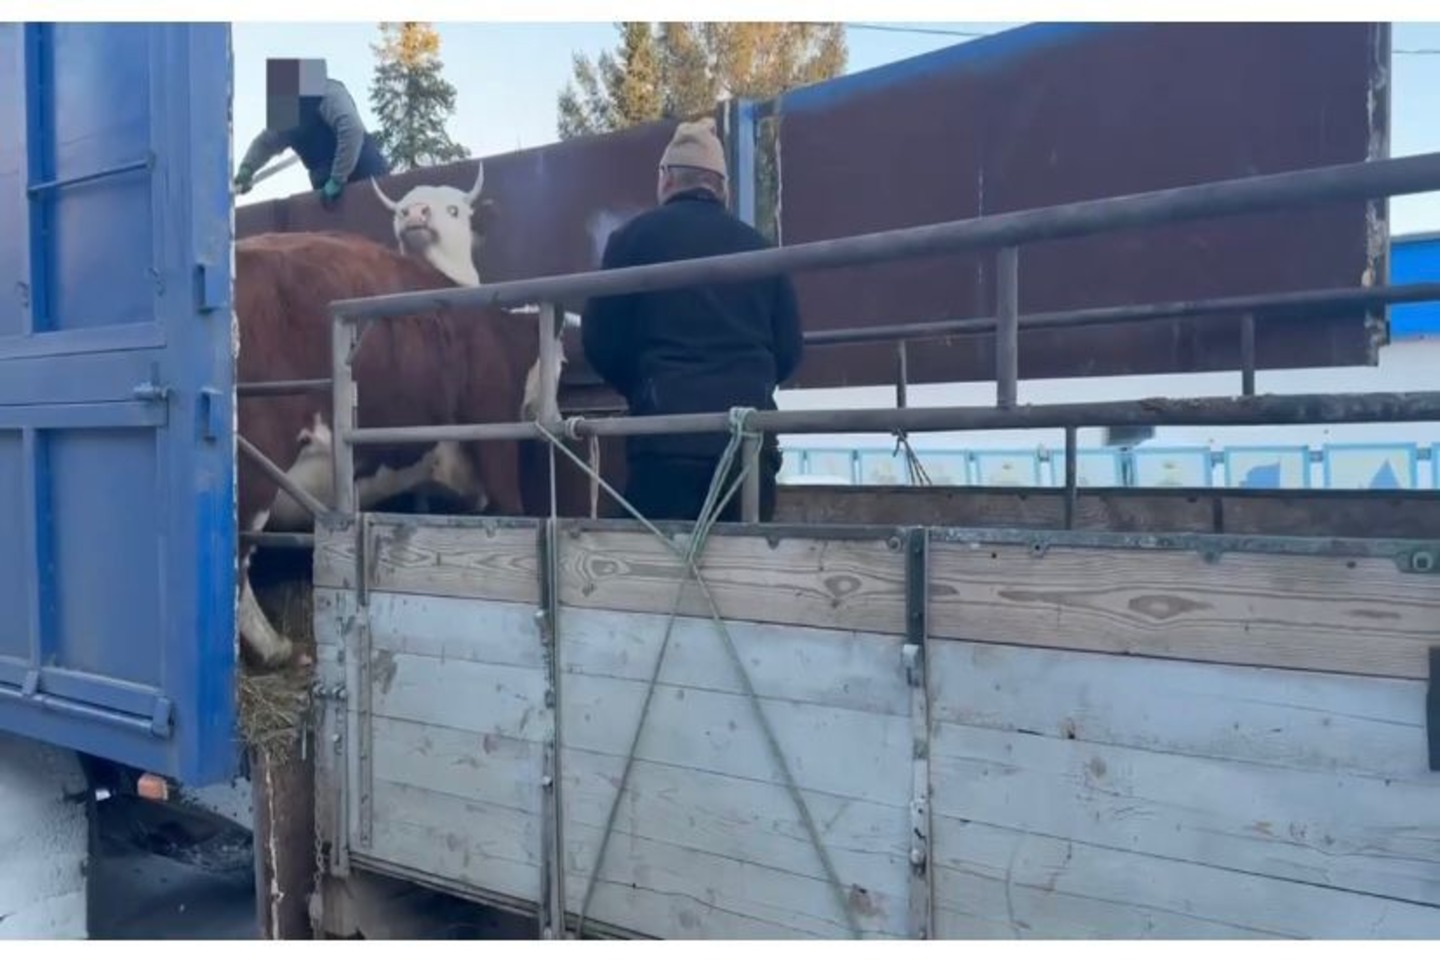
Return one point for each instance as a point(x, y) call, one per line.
point(417, 216)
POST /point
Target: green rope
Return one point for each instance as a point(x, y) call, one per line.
point(709, 514)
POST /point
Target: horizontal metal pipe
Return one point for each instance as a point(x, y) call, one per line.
point(1415, 407)
point(1261, 304)
point(301, 495)
point(281, 388)
point(1356, 181)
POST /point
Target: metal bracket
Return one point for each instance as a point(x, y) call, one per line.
point(1420, 561)
point(917, 557)
point(1432, 709)
point(208, 413)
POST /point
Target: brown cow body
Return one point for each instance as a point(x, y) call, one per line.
point(465, 366)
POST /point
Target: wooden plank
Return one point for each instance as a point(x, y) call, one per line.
point(1336, 614)
point(836, 668)
point(488, 847)
point(1325, 723)
point(992, 882)
point(479, 561)
point(845, 584)
point(1308, 513)
point(480, 698)
point(706, 801)
point(717, 733)
point(1330, 830)
point(1088, 795)
point(453, 628)
point(688, 820)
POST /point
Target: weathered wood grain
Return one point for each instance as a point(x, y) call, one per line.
point(1332, 830)
point(717, 733)
point(990, 880)
point(454, 628)
point(486, 846)
point(479, 561)
point(836, 668)
point(1334, 614)
point(845, 584)
point(1085, 795)
point(1326, 723)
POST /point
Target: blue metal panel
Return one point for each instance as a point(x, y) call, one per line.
point(117, 577)
point(1415, 259)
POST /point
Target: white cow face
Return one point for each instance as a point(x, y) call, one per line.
point(434, 224)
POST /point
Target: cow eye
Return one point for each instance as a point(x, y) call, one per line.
point(454, 210)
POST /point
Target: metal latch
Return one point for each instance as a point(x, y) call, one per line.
point(152, 389)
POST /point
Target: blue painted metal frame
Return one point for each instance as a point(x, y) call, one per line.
point(1415, 259)
point(742, 177)
point(975, 54)
point(1228, 465)
point(112, 308)
point(1149, 453)
point(1411, 451)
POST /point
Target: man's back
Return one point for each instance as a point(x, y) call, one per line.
point(699, 348)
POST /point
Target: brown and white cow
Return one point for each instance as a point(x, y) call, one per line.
point(435, 368)
point(435, 223)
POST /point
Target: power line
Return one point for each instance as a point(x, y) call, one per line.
point(975, 34)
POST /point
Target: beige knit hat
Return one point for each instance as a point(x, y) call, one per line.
point(696, 145)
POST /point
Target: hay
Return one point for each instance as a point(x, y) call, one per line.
point(274, 706)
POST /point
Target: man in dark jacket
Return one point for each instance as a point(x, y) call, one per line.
point(316, 117)
point(698, 349)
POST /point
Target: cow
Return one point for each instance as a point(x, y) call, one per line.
point(434, 223)
point(430, 368)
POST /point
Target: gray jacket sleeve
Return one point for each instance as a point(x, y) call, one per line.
point(265, 145)
point(337, 108)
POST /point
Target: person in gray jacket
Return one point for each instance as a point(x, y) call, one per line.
point(315, 116)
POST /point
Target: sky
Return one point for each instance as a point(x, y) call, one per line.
point(508, 74)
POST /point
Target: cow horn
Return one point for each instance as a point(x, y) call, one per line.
point(390, 204)
point(474, 193)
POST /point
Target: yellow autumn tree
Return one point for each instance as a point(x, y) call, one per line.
point(411, 98)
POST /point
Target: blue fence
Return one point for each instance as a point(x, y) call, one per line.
point(1337, 466)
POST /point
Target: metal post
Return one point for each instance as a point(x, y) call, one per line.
point(280, 477)
point(343, 403)
point(1247, 354)
point(750, 489)
point(549, 409)
point(1071, 477)
point(1007, 326)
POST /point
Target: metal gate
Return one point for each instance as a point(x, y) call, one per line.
point(117, 465)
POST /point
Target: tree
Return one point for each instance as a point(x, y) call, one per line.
point(411, 98)
point(682, 69)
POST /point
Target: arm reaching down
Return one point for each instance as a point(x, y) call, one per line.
point(337, 108)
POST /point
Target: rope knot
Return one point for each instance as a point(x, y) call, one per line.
point(572, 427)
point(740, 421)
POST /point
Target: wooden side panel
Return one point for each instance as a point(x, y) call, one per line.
point(1347, 615)
point(458, 723)
point(1083, 795)
point(708, 843)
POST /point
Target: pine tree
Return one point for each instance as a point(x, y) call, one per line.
point(682, 69)
point(411, 98)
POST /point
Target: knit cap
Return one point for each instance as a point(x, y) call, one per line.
point(696, 145)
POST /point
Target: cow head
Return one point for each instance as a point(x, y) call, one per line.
point(434, 224)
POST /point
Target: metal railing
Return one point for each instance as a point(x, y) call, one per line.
point(1352, 182)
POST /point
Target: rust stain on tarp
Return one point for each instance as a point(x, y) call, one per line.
point(1104, 112)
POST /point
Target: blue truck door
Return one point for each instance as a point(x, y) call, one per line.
point(117, 462)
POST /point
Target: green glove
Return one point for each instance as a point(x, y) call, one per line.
point(243, 179)
point(332, 189)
